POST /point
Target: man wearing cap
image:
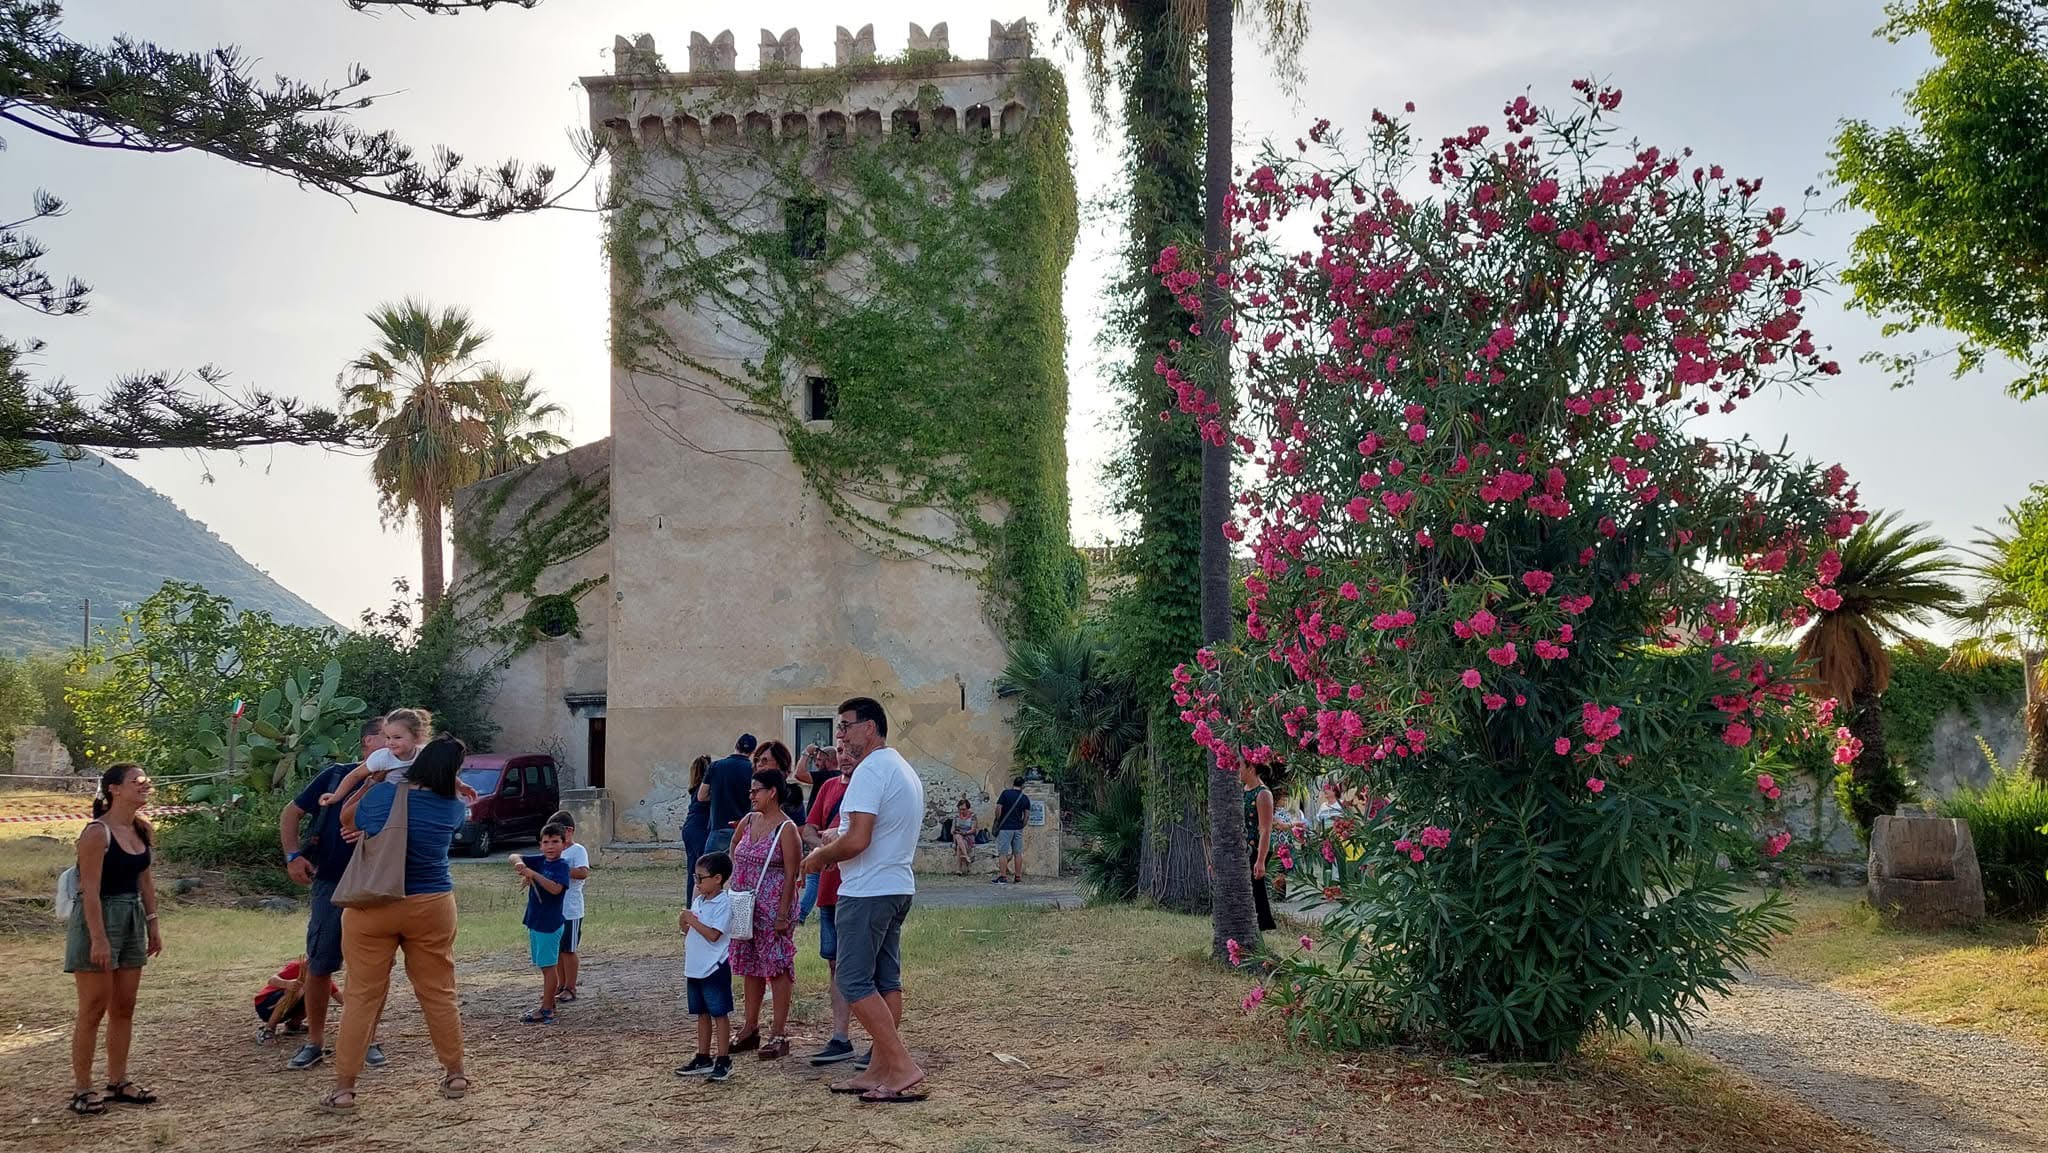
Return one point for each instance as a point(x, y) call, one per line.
point(726, 786)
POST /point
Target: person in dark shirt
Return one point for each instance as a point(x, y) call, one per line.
point(1013, 809)
point(318, 862)
point(546, 877)
point(725, 788)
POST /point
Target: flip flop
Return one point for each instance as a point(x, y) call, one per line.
point(850, 1090)
point(902, 1096)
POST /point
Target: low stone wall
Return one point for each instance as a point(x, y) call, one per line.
point(40, 761)
point(1951, 761)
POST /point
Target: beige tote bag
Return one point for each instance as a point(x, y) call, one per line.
point(376, 874)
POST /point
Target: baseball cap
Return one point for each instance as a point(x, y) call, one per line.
point(746, 743)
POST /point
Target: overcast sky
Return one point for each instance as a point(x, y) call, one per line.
point(196, 261)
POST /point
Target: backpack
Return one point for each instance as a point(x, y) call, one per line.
point(67, 890)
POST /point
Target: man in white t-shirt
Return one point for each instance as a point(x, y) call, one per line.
point(578, 857)
point(874, 846)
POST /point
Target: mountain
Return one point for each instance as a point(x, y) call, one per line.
point(73, 530)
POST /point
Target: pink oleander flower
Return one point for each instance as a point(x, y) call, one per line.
point(1596, 785)
point(1469, 678)
point(1307, 945)
point(1254, 998)
point(1502, 656)
point(1537, 581)
point(1776, 844)
point(1494, 702)
point(1436, 838)
point(1736, 734)
point(1766, 784)
point(1234, 951)
point(1329, 853)
point(1563, 745)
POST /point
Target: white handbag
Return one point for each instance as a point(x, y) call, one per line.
point(743, 899)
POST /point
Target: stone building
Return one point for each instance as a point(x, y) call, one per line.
point(764, 552)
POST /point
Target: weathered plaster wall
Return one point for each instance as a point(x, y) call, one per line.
point(529, 704)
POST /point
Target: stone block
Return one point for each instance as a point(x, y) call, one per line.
point(933, 41)
point(1012, 42)
point(855, 47)
point(786, 50)
point(714, 55)
point(1923, 871)
point(594, 813)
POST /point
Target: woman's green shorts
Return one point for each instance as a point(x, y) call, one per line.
point(127, 935)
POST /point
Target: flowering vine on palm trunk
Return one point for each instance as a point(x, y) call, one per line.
point(1497, 580)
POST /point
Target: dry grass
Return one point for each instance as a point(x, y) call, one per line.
point(1133, 1042)
point(1993, 978)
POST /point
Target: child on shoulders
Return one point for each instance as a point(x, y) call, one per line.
point(707, 972)
point(546, 877)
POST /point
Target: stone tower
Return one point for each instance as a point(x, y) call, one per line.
point(837, 464)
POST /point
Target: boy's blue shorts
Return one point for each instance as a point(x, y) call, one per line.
point(546, 948)
point(711, 996)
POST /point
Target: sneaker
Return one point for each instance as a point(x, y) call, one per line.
point(375, 1058)
point(861, 1062)
point(539, 1017)
point(699, 1066)
point(307, 1057)
point(836, 1050)
point(721, 1070)
point(998, 880)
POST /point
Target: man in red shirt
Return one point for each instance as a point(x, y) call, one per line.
point(833, 770)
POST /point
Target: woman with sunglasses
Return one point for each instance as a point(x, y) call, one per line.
point(110, 934)
point(766, 853)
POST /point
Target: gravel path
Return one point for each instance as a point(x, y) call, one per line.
point(1918, 1088)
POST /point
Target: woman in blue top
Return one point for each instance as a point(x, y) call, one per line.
point(422, 923)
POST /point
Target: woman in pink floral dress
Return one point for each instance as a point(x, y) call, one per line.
point(765, 856)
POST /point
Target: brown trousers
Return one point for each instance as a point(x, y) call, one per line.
point(424, 926)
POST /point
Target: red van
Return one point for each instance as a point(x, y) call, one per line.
point(516, 793)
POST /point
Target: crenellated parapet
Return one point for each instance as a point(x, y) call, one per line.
point(858, 97)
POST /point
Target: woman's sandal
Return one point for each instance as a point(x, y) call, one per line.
point(565, 996)
point(777, 1046)
point(334, 1104)
point(129, 1093)
point(88, 1103)
point(449, 1090)
point(742, 1044)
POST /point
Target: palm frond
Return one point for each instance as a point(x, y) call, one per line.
point(1894, 576)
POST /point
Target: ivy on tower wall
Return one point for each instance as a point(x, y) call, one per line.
point(928, 294)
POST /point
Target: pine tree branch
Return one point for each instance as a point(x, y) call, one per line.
point(149, 411)
point(135, 96)
point(438, 7)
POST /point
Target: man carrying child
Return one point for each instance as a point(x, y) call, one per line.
point(546, 877)
point(707, 971)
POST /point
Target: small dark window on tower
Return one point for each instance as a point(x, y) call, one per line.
point(821, 398)
point(804, 219)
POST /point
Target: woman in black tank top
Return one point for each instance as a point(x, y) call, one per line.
point(111, 932)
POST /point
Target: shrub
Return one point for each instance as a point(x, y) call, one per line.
point(1113, 835)
point(1477, 503)
point(2009, 824)
point(239, 836)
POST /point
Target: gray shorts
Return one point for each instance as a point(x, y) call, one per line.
point(870, 931)
point(1010, 842)
point(323, 931)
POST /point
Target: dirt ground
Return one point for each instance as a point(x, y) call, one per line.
point(1122, 1036)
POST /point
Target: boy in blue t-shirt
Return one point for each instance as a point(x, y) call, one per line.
point(546, 877)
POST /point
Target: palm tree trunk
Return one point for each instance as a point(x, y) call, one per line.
point(2035, 719)
point(432, 582)
point(1234, 916)
point(1879, 789)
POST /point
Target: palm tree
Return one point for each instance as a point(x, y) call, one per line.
point(2003, 623)
point(1893, 576)
point(441, 419)
point(1072, 705)
point(516, 423)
